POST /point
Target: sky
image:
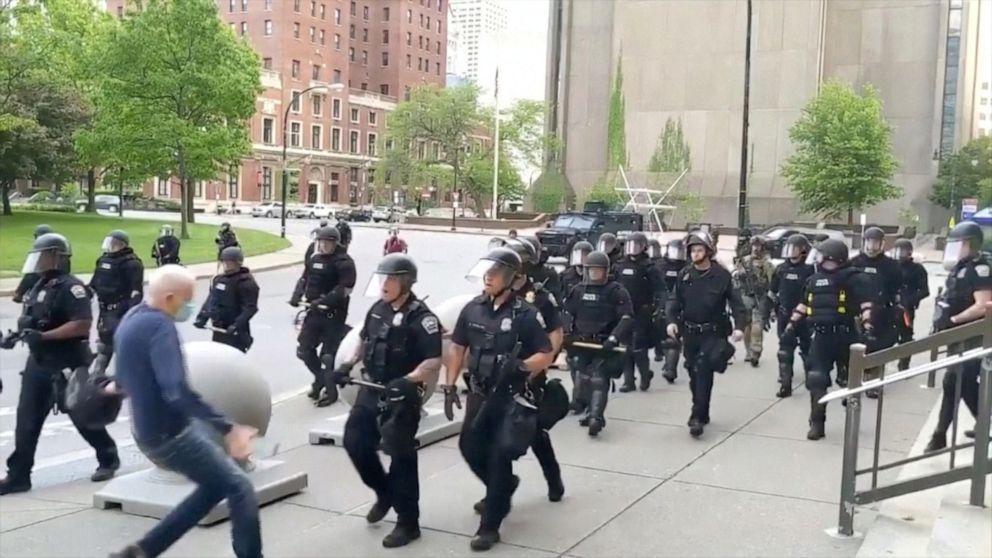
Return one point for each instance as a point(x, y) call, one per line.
point(522, 51)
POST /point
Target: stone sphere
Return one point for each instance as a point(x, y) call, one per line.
point(227, 379)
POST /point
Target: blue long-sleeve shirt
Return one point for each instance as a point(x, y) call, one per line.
point(151, 371)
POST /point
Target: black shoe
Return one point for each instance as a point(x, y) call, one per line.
point(584, 421)
point(626, 388)
point(659, 356)
point(904, 364)
point(646, 382)
point(327, 398)
point(969, 434)
point(577, 407)
point(669, 377)
point(480, 506)
point(595, 426)
point(754, 361)
point(130, 551)
point(784, 391)
point(556, 489)
point(695, 427)
point(378, 511)
point(401, 536)
point(105, 473)
point(841, 382)
point(937, 443)
point(816, 431)
point(872, 394)
point(314, 392)
point(484, 540)
point(14, 485)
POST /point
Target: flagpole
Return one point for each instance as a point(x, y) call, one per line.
point(494, 214)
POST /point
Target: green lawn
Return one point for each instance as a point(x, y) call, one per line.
point(86, 233)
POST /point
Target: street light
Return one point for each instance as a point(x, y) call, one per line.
point(742, 209)
point(285, 170)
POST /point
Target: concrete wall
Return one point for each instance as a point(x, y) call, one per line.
point(684, 59)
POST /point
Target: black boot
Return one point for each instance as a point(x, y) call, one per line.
point(106, 472)
point(584, 421)
point(480, 506)
point(785, 390)
point(937, 443)
point(314, 392)
point(671, 365)
point(401, 536)
point(754, 360)
point(646, 378)
point(556, 489)
point(484, 540)
point(695, 427)
point(14, 485)
point(816, 431)
point(597, 404)
point(904, 364)
point(378, 511)
point(328, 396)
point(130, 551)
point(628, 377)
point(595, 426)
point(817, 416)
point(580, 393)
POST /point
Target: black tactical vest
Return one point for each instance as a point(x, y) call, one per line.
point(109, 280)
point(633, 275)
point(792, 279)
point(959, 292)
point(829, 299)
point(225, 299)
point(322, 276)
point(386, 356)
point(596, 314)
point(491, 337)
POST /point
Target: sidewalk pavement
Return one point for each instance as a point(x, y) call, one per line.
point(752, 485)
point(286, 257)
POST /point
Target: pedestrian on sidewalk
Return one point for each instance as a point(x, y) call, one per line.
point(173, 426)
point(394, 244)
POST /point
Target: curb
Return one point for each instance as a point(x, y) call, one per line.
point(404, 227)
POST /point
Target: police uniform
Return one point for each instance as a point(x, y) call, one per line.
point(966, 278)
point(489, 335)
point(166, 250)
point(598, 311)
point(326, 284)
point(118, 282)
point(232, 302)
point(344, 229)
point(569, 278)
point(753, 279)
point(395, 343)
point(699, 306)
point(884, 277)
point(540, 274)
point(647, 291)
point(225, 239)
point(57, 299)
point(665, 345)
point(833, 299)
point(914, 289)
point(787, 286)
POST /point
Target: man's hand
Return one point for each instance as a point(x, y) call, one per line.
point(200, 323)
point(239, 441)
point(342, 374)
point(789, 334)
point(737, 335)
point(294, 302)
point(673, 331)
point(231, 330)
point(8, 341)
point(451, 400)
point(30, 336)
point(610, 343)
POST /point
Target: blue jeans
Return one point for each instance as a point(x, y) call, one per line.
point(194, 455)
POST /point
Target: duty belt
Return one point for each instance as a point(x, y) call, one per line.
point(700, 328)
point(839, 328)
point(111, 306)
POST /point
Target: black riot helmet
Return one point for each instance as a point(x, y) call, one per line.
point(902, 249)
point(636, 244)
point(42, 229)
point(528, 255)
point(496, 242)
point(580, 250)
point(225, 226)
point(963, 242)
point(597, 268)
point(326, 239)
point(47, 244)
point(675, 250)
point(654, 249)
point(831, 254)
point(392, 265)
point(539, 249)
point(504, 263)
point(607, 243)
point(232, 254)
point(699, 238)
point(796, 246)
point(872, 241)
point(322, 223)
point(115, 241)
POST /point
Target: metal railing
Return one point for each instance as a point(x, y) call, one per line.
point(977, 334)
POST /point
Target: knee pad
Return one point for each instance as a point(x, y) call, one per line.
point(817, 381)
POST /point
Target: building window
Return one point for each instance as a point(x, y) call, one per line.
point(409, 38)
point(335, 183)
point(373, 120)
point(384, 89)
point(295, 129)
point(316, 133)
point(439, 48)
point(318, 104)
point(365, 58)
point(296, 6)
point(266, 183)
point(337, 16)
point(385, 58)
point(428, 44)
point(232, 181)
point(162, 186)
point(406, 92)
point(198, 189)
point(371, 144)
point(268, 5)
point(267, 131)
point(323, 11)
point(296, 30)
point(355, 116)
point(439, 26)
point(230, 6)
point(985, 86)
point(365, 13)
point(385, 36)
point(351, 31)
point(120, 12)
point(313, 9)
point(408, 60)
point(337, 76)
point(365, 86)
point(365, 35)
point(267, 63)
point(428, 23)
point(316, 72)
point(439, 5)
point(268, 27)
point(336, 109)
point(295, 69)
point(437, 68)
point(313, 34)
point(420, 42)
point(322, 37)
point(353, 144)
point(351, 54)
point(335, 139)
point(420, 64)
point(337, 41)
point(294, 97)
point(354, 9)
point(244, 28)
point(385, 14)
point(985, 101)
point(409, 16)
point(244, 5)
point(421, 20)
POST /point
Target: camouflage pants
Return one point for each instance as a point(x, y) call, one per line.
point(754, 334)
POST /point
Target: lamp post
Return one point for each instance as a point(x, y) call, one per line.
point(285, 170)
point(742, 216)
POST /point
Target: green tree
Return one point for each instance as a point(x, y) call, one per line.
point(843, 159)
point(616, 139)
point(671, 153)
point(176, 94)
point(549, 191)
point(603, 191)
point(965, 174)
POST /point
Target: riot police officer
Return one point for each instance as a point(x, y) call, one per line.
point(752, 277)
point(671, 264)
point(232, 302)
point(610, 245)
point(508, 349)
point(401, 349)
point(313, 241)
point(967, 292)
point(327, 281)
point(834, 296)
point(883, 273)
point(603, 315)
point(646, 286)
point(537, 269)
point(54, 324)
point(166, 248)
point(344, 229)
point(697, 310)
point(785, 293)
point(29, 279)
point(118, 282)
point(571, 276)
point(914, 289)
point(225, 238)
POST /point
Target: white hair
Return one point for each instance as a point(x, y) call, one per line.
point(169, 279)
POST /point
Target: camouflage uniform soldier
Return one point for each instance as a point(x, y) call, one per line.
point(752, 277)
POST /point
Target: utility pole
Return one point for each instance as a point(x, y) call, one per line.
point(742, 205)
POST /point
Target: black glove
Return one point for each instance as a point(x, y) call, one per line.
point(342, 374)
point(294, 302)
point(789, 334)
point(8, 341)
point(18, 299)
point(451, 400)
point(766, 324)
point(869, 332)
point(30, 336)
point(200, 323)
point(610, 343)
point(231, 330)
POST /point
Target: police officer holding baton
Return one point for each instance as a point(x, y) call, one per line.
point(508, 349)
point(232, 302)
point(118, 282)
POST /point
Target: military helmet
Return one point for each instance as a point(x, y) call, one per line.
point(42, 229)
point(833, 250)
point(232, 254)
point(607, 243)
point(699, 238)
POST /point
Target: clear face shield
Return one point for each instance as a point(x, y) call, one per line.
point(634, 247)
point(791, 251)
point(606, 246)
point(675, 252)
point(111, 245)
point(386, 287)
point(872, 246)
point(954, 252)
point(900, 253)
point(166, 231)
point(325, 246)
point(31, 263)
point(578, 257)
point(654, 251)
point(42, 261)
point(595, 275)
point(487, 271)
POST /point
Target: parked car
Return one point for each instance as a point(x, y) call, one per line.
point(386, 214)
point(779, 234)
point(102, 202)
point(355, 214)
point(268, 209)
point(310, 211)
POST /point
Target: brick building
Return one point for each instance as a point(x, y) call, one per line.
point(377, 50)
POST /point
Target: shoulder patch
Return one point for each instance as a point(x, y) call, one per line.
point(530, 297)
point(78, 291)
point(430, 325)
point(982, 270)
